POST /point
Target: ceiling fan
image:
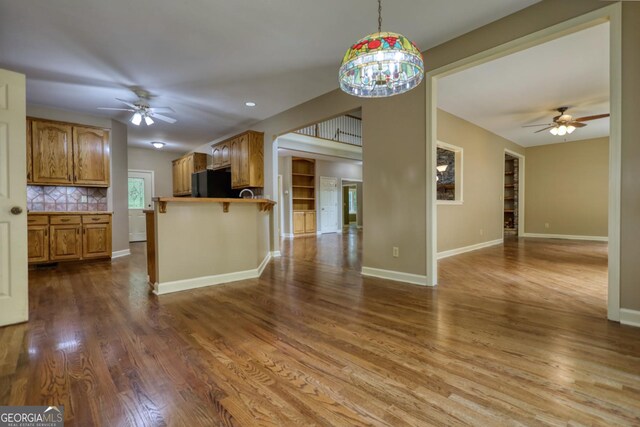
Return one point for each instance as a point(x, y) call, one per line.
point(142, 110)
point(565, 123)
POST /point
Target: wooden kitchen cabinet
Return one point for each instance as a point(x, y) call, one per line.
point(309, 222)
point(38, 243)
point(298, 222)
point(221, 155)
point(52, 153)
point(244, 154)
point(90, 156)
point(182, 170)
point(67, 154)
point(57, 236)
point(29, 154)
point(66, 242)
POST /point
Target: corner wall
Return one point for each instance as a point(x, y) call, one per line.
point(157, 161)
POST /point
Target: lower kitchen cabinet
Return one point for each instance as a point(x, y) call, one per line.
point(38, 243)
point(304, 222)
point(66, 243)
point(54, 237)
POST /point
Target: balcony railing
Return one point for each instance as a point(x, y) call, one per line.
point(345, 129)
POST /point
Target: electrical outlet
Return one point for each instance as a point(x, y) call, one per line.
point(546, 225)
point(396, 252)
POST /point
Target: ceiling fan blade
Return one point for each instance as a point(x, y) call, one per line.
point(162, 109)
point(542, 130)
point(542, 124)
point(163, 118)
point(116, 109)
point(127, 103)
point(577, 124)
point(587, 118)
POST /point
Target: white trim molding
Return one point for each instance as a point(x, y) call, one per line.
point(630, 317)
point(397, 276)
point(566, 237)
point(218, 279)
point(120, 254)
point(458, 251)
point(275, 254)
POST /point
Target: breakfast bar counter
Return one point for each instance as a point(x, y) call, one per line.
point(198, 242)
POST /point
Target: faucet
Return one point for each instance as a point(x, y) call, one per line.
point(250, 192)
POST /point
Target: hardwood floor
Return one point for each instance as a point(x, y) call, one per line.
point(514, 335)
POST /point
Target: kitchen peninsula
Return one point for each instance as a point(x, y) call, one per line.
point(197, 242)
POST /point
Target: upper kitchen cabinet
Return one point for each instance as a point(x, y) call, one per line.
point(67, 154)
point(52, 153)
point(91, 156)
point(244, 153)
point(182, 170)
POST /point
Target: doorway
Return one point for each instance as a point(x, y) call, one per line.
point(140, 194)
point(610, 14)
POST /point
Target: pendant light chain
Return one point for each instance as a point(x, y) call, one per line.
point(379, 16)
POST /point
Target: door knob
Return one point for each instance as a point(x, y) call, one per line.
point(16, 210)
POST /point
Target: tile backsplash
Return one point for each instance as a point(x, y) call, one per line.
point(64, 199)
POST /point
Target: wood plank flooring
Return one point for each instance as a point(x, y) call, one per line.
point(513, 335)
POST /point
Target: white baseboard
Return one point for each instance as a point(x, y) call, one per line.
point(398, 276)
point(201, 282)
point(275, 254)
point(630, 317)
point(566, 237)
point(118, 254)
point(458, 251)
point(286, 236)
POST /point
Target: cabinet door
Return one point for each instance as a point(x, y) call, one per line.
point(38, 243)
point(52, 153)
point(91, 156)
point(216, 153)
point(226, 155)
point(240, 162)
point(29, 155)
point(96, 241)
point(187, 171)
point(66, 242)
point(177, 176)
point(298, 222)
point(309, 222)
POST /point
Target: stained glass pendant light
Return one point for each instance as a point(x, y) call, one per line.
point(381, 64)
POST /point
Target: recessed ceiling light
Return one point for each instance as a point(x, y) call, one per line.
point(250, 104)
point(158, 144)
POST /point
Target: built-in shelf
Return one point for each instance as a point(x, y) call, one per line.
point(303, 186)
point(303, 198)
point(302, 174)
point(303, 180)
point(510, 208)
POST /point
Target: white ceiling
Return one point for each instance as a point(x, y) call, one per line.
point(205, 58)
point(526, 87)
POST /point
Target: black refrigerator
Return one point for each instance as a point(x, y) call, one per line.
point(212, 183)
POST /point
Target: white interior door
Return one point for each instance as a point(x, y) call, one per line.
point(14, 288)
point(328, 204)
point(140, 194)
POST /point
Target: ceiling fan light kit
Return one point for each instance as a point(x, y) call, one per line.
point(142, 110)
point(564, 124)
point(381, 64)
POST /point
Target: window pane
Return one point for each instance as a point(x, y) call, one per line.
point(353, 201)
point(136, 193)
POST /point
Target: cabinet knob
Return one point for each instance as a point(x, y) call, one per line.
point(16, 210)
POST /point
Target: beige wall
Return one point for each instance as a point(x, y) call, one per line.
point(480, 217)
point(117, 195)
point(157, 161)
point(394, 142)
point(567, 187)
